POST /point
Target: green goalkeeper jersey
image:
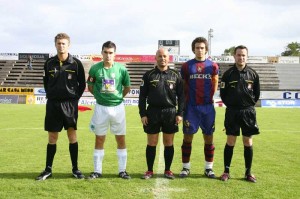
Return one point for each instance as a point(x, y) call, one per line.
point(108, 83)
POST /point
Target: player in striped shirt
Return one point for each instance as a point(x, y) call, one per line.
point(200, 77)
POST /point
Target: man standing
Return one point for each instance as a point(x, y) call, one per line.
point(240, 91)
point(200, 77)
point(161, 88)
point(29, 60)
point(64, 83)
point(109, 82)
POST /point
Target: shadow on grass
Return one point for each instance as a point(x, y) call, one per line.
point(33, 175)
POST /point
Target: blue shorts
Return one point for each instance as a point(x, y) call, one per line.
point(200, 116)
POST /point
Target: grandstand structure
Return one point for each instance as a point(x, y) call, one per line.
point(273, 77)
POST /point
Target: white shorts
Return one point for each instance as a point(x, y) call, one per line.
point(105, 117)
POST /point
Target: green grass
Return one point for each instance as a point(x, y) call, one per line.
point(23, 148)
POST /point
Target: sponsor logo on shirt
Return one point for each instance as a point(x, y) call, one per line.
point(200, 76)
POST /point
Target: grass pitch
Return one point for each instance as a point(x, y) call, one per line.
point(23, 149)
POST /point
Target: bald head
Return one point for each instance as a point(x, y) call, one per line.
point(162, 58)
point(162, 51)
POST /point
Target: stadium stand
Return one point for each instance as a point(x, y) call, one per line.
point(15, 73)
point(136, 72)
point(269, 80)
point(272, 76)
point(288, 75)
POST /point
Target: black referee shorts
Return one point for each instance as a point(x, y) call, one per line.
point(61, 114)
point(161, 120)
point(245, 119)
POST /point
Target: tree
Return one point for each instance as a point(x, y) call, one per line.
point(229, 51)
point(292, 49)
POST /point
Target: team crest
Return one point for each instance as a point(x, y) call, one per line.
point(186, 123)
point(250, 86)
point(171, 86)
point(199, 69)
point(92, 127)
point(69, 76)
point(142, 83)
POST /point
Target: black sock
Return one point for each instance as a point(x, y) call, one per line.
point(168, 155)
point(150, 156)
point(248, 155)
point(228, 152)
point(73, 148)
point(51, 150)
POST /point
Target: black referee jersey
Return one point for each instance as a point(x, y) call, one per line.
point(240, 89)
point(64, 80)
point(161, 89)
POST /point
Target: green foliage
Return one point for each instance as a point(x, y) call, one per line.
point(229, 51)
point(292, 49)
point(23, 149)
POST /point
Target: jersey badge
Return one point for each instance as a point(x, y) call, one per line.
point(142, 83)
point(186, 123)
point(250, 86)
point(69, 76)
point(199, 69)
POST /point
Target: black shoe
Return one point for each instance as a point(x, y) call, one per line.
point(124, 175)
point(209, 173)
point(184, 173)
point(77, 174)
point(94, 175)
point(44, 175)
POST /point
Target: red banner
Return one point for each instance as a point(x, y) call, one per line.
point(131, 58)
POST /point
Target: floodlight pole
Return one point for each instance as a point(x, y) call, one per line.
point(210, 35)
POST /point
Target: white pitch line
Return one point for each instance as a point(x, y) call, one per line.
point(162, 189)
point(161, 184)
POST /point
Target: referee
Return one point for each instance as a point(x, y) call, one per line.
point(64, 83)
point(162, 90)
point(240, 91)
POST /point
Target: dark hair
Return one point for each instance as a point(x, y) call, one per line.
point(62, 36)
point(240, 47)
point(109, 44)
point(200, 40)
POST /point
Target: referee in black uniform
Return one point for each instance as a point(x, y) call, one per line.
point(64, 83)
point(162, 90)
point(240, 91)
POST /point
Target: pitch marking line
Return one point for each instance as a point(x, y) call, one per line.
point(161, 189)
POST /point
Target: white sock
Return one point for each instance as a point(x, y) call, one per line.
point(209, 165)
point(122, 159)
point(186, 165)
point(98, 158)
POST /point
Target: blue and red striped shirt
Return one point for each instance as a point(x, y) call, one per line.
point(197, 76)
